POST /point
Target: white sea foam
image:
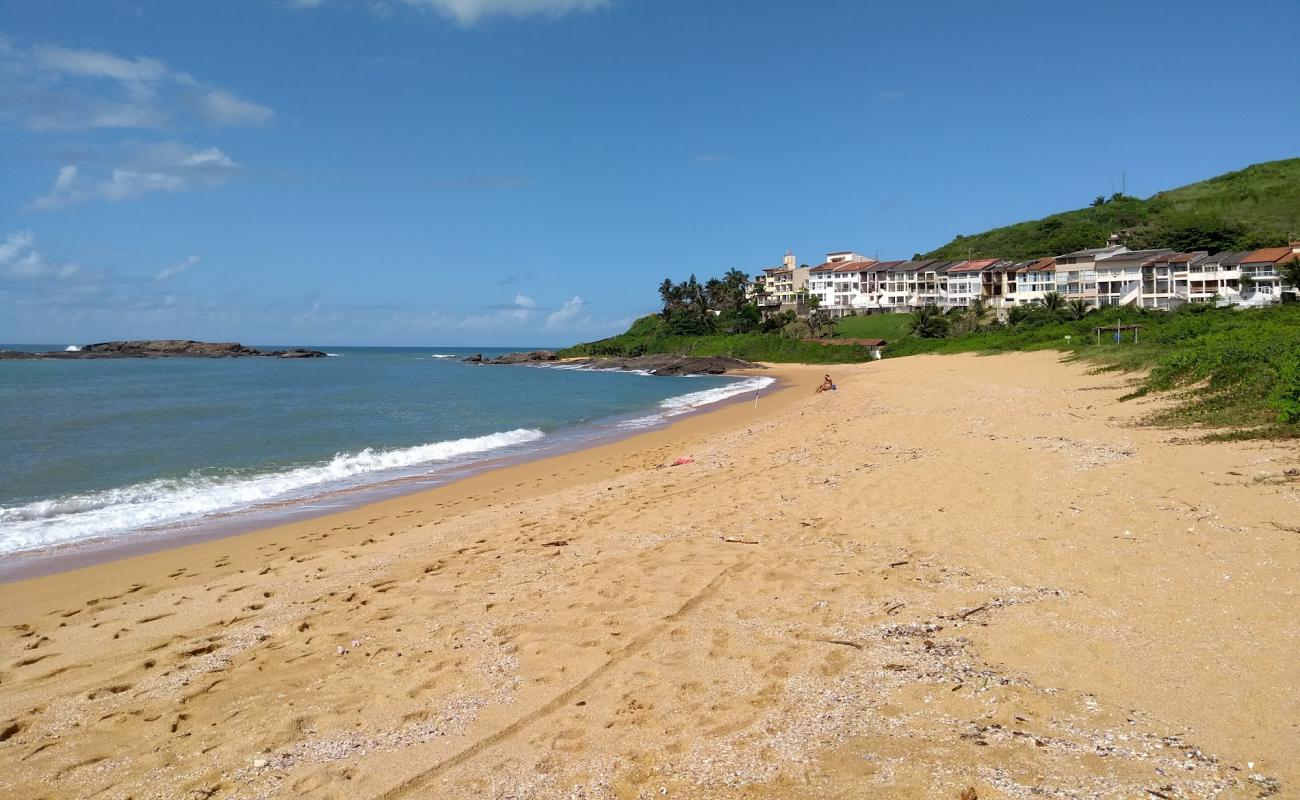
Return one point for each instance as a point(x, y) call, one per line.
point(332, 355)
point(176, 501)
point(444, 355)
point(683, 404)
point(72, 348)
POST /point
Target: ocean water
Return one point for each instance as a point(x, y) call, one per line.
point(94, 451)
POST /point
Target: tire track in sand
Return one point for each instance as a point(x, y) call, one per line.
point(423, 779)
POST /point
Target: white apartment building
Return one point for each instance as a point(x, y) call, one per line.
point(1119, 276)
point(1033, 280)
point(836, 283)
point(1165, 279)
point(1076, 273)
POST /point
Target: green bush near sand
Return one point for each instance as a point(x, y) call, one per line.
point(650, 335)
point(1237, 370)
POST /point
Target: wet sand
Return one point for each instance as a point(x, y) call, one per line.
point(952, 573)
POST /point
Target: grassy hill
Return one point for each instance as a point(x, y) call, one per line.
point(890, 327)
point(1258, 206)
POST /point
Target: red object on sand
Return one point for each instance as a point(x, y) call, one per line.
point(681, 461)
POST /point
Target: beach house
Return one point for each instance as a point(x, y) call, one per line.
point(1033, 280)
point(932, 284)
point(1259, 271)
point(1215, 278)
point(785, 285)
point(965, 282)
point(896, 286)
point(836, 282)
point(1119, 276)
point(872, 287)
point(1076, 273)
point(1165, 279)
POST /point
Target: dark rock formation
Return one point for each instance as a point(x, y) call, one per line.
point(162, 348)
point(668, 364)
point(661, 364)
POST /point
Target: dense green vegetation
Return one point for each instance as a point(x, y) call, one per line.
point(1237, 370)
point(651, 334)
point(1255, 207)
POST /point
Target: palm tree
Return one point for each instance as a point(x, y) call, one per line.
point(672, 294)
point(1077, 309)
point(735, 281)
point(821, 323)
point(1053, 301)
point(928, 323)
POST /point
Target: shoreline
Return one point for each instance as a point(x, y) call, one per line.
point(62, 557)
point(955, 572)
point(58, 559)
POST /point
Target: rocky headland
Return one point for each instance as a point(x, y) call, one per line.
point(657, 364)
point(160, 348)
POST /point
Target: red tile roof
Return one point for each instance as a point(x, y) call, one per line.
point(1268, 255)
point(973, 266)
point(1041, 265)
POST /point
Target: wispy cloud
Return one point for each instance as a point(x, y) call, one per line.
point(167, 273)
point(468, 12)
point(710, 158)
point(20, 260)
point(49, 87)
point(569, 314)
point(146, 169)
point(890, 95)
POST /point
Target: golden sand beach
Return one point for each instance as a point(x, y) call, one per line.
point(954, 576)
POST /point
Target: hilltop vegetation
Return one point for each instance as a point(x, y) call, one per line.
point(1255, 207)
point(652, 334)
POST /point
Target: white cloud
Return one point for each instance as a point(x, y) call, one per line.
point(93, 64)
point(48, 87)
point(19, 259)
point(222, 107)
point(468, 12)
point(148, 169)
point(524, 301)
point(567, 314)
point(175, 269)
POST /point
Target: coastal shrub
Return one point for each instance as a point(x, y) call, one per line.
point(1286, 397)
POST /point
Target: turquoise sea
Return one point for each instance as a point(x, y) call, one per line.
point(96, 451)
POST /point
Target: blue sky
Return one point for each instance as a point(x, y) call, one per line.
point(525, 172)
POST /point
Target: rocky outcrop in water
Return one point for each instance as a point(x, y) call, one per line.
point(668, 364)
point(161, 348)
point(535, 357)
point(659, 364)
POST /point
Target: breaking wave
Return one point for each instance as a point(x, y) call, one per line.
point(173, 501)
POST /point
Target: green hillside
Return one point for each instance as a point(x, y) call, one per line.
point(1258, 206)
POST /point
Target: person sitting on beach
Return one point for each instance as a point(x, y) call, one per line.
point(826, 385)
